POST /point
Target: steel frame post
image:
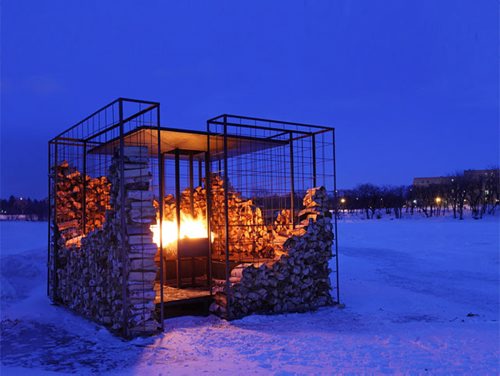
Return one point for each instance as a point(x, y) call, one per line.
point(292, 182)
point(208, 191)
point(56, 230)
point(123, 223)
point(161, 191)
point(200, 171)
point(191, 183)
point(49, 235)
point(336, 212)
point(191, 208)
point(178, 212)
point(84, 192)
point(313, 144)
point(226, 220)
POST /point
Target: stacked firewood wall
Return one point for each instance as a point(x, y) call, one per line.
point(116, 259)
point(199, 207)
point(249, 237)
point(298, 280)
point(70, 199)
point(282, 230)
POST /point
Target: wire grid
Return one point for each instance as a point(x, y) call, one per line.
point(85, 147)
point(275, 172)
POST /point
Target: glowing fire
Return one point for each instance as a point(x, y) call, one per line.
point(190, 228)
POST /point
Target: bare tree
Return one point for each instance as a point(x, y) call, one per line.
point(369, 198)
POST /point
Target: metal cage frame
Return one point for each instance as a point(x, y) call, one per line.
point(85, 136)
point(289, 133)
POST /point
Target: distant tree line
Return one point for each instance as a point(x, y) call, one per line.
point(31, 208)
point(479, 193)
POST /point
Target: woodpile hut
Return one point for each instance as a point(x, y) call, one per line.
point(132, 240)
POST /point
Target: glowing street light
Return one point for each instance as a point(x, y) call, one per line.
point(438, 200)
point(342, 200)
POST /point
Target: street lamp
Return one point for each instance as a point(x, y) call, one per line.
point(438, 200)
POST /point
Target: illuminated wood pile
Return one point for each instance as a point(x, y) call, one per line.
point(114, 259)
point(248, 236)
point(298, 280)
point(69, 203)
point(282, 230)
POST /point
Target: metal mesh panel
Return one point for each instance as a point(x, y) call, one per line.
point(271, 173)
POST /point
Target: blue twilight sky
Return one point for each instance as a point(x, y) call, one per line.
point(411, 86)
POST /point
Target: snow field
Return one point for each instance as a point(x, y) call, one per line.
point(421, 296)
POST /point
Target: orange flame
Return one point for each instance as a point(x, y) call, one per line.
point(190, 228)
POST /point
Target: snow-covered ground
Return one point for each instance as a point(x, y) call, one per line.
point(421, 296)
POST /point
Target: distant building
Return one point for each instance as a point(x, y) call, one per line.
point(470, 174)
point(481, 174)
point(426, 182)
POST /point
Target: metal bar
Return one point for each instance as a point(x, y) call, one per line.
point(84, 192)
point(214, 119)
point(191, 184)
point(124, 121)
point(161, 165)
point(138, 101)
point(278, 121)
point(277, 135)
point(226, 220)
point(335, 199)
point(189, 131)
point(105, 130)
point(140, 113)
point(77, 143)
point(313, 142)
point(87, 118)
point(68, 139)
point(255, 127)
point(178, 212)
point(49, 236)
point(292, 184)
point(56, 230)
point(191, 205)
point(123, 223)
point(309, 135)
point(208, 191)
point(200, 170)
